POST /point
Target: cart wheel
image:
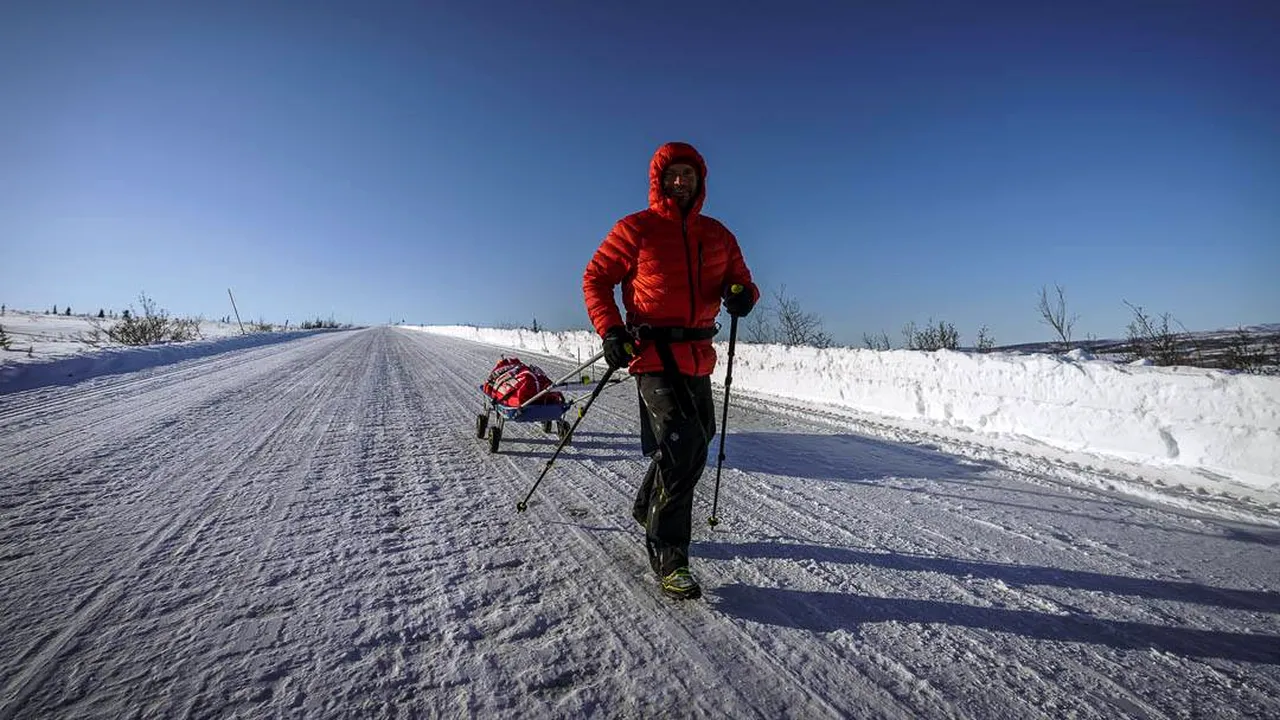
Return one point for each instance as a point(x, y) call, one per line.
point(482, 422)
point(546, 426)
point(562, 429)
point(495, 437)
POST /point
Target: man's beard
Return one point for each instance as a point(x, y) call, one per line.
point(683, 196)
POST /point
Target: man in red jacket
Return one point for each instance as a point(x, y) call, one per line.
point(675, 266)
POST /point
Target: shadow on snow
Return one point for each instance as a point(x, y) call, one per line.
point(828, 611)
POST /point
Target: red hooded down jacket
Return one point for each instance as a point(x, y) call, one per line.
point(673, 268)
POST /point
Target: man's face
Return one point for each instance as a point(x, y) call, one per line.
point(680, 181)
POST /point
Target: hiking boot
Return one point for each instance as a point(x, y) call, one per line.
point(681, 585)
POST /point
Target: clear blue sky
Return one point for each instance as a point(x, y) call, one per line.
point(459, 162)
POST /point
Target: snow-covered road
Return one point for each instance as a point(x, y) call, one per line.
point(311, 529)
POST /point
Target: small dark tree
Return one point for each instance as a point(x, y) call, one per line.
point(5, 342)
point(984, 342)
point(102, 314)
point(55, 309)
point(942, 336)
point(68, 311)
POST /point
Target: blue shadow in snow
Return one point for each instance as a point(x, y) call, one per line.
point(849, 458)
point(1011, 575)
point(822, 612)
point(857, 459)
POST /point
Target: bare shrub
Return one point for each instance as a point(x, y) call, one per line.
point(781, 320)
point(5, 341)
point(940, 336)
point(152, 326)
point(1053, 312)
point(320, 324)
point(96, 335)
point(759, 327)
point(877, 342)
point(1154, 339)
point(1246, 353)
point(183, 329)
point(797, 327)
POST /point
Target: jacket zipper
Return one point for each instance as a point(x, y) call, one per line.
point(693, 290)
point(693, 296)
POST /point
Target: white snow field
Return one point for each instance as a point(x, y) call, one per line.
point(312, 529)
point(37, 337)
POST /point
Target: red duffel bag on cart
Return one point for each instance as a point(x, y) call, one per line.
point(512, 383)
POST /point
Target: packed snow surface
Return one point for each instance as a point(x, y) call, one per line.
point(311, 528)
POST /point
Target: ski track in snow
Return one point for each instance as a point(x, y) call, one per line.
point(312, 529)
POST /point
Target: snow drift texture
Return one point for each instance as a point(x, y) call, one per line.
point(1201, 419)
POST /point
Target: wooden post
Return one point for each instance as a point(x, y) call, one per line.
point(237, 310)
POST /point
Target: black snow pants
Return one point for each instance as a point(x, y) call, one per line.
point(677, 422)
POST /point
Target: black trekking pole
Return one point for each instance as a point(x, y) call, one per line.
point(520, 506)
point(724, 417)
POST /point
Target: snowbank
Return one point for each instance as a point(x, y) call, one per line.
point(1205, 420)
point(18, 376)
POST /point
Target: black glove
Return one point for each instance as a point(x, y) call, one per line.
point(619, 347)
point(738, 300)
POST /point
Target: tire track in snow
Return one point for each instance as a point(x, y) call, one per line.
point(597, 551)
point(961, 589)
point(559, 502)
point(900, 534)
point(83, 420)
point(961, 592)
point(477, 628)
point(320, 533)
point(171, 536)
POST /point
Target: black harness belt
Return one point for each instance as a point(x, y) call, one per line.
point(662, 337)
point(674, 334)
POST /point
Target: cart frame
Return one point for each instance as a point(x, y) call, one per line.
point(551, 415)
